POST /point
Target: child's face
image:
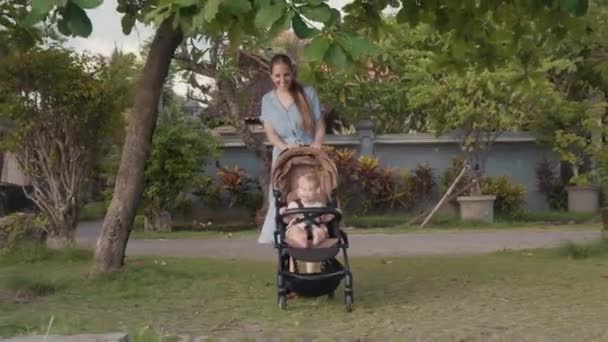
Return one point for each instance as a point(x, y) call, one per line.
point(307, 190)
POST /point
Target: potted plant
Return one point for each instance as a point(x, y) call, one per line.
point(573, 141)
point(476, 106)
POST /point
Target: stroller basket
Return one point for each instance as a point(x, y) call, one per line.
point(317, 284)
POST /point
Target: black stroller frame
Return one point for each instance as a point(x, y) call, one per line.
point(312, 284)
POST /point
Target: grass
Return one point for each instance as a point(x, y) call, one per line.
point(524, 295)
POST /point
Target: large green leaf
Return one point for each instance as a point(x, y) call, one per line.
point(211, 8)
point(127, 22)
point(236, 7)
point(336, 56)
point(321, 13)
point(268, 15)
point(87, 4)
point(301, 29)
point(78, 21)
point(317, 48)
point(360, 47)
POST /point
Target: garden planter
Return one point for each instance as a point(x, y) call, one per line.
point(477, 208)
point(583, 199)
point(604, 212)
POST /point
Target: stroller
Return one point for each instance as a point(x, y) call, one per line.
point(289, 165)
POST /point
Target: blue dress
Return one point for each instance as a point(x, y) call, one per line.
point(287, 124)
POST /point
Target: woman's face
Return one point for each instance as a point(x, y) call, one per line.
point(281, 76)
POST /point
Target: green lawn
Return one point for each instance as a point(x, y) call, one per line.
point(533, 295)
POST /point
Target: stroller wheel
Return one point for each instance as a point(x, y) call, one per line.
point(282, 302)
point(348, 302)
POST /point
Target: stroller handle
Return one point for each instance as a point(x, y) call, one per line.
point(313, 212)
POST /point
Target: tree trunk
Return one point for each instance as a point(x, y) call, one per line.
point(112, 242)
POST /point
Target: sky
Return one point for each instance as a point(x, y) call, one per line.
point(107, 34)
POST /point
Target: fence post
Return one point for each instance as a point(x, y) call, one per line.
point(365, 130)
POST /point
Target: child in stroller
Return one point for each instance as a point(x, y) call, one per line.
point(314, 236)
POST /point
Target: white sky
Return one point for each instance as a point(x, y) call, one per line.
point(107, 33)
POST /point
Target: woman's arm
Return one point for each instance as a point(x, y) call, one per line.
point(274, 138)
point(319, 132)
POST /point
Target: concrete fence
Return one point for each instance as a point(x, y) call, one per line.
point(514, 155)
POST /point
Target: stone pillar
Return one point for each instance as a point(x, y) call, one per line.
point(365, 130)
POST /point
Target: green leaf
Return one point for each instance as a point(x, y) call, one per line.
point(336, 56)
point(581, 7)
point(360, 47)
point(316, 49)
point(261, 3)
point(568, 5)
point(314, 2)
point(321, 13)
point(127, 22)
point(301, 29)
point(236, 7)
point(186, 3)
point(44, 6)
point(87, 4)
point(211, 8)
point(344, 40)
point(78, 21)
point(269, 15)
point(62, 27)
point(283, 24)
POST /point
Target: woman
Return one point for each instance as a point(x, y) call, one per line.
point(291, 115)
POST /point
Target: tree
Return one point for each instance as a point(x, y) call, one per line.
point(180, 149)
point(53, 133)
point(242, 19)
point(479, 106)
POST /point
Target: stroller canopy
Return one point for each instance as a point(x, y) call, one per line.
point(295, 162)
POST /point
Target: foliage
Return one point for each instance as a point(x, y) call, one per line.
point(58, 104)
point(240, 187)
point(423, 181)
point(180, 150)
point(20, 232)
point(509, 197)
point(451, 172)
point(573, 124)
point(551, 185)
point(379, 90)
point(479, 106)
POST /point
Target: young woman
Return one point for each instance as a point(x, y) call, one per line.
point(292, 116)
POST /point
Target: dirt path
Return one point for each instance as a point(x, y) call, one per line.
point(427, 243)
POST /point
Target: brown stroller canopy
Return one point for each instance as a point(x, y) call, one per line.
point(295, 162)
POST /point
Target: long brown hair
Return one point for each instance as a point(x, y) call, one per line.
point(296, 91)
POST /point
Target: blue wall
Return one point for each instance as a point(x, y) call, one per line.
point(515, 155)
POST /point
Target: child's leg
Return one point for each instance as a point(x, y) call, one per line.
point(296, 237)
point(319, 234)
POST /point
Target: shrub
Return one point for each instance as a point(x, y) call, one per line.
point(550, 185)
point(423, 182)
point(509, 197)
point(19, 232)
point(450, 174)
point(240, 188)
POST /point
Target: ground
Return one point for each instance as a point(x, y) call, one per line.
point(529, 294)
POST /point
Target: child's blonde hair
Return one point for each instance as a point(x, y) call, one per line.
point(310, 178)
